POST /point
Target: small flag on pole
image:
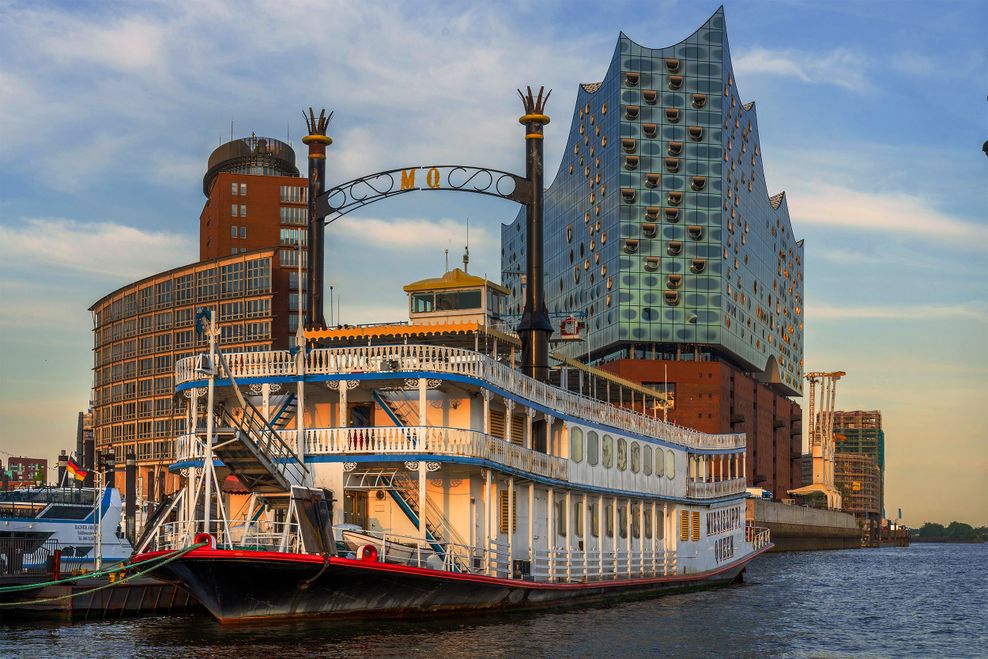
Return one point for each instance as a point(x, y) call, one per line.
point(75, 471)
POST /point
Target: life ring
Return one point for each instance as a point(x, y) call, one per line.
point(367, 553)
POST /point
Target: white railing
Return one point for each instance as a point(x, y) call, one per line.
point(257, 535)
point(189, 447)
point(574, 565)
point(408, 440)
point(758, 537)
point(712, 490)
point(436, 441)
point(441, 359)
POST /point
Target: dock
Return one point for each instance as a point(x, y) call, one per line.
point(140, 596)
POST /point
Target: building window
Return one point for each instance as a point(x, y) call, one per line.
point(231, 279)
point(233, 230)
point(233, 189)
point(243, 233)
point(234, 210)
point(243, 211)
point(259, 276)
point(243, 189)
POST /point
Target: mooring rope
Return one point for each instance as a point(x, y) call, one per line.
point(158, 562)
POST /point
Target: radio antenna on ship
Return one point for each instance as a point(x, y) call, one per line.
point(466, 251)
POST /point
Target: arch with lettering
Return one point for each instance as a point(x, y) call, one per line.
point(344, 198)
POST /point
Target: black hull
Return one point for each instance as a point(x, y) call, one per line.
point(238, 586)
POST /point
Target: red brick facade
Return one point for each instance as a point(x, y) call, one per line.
point(718, 398)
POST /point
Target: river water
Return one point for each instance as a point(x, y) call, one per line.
point(924, 600)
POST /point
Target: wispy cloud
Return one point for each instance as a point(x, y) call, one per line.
point(891, 212)
point(102, 249)
point(840, 67)
point(411, 233)
point(822, 311)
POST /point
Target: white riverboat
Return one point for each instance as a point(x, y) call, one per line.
point(38, 521)
point(499, 489)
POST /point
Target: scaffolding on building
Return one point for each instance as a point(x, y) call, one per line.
point(859, 481)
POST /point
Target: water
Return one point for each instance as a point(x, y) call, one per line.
point(925, 600)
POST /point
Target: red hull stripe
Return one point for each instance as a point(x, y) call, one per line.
point(312, 559)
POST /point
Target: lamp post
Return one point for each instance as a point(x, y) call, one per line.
point(535, 328)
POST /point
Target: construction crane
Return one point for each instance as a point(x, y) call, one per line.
point(822, 446)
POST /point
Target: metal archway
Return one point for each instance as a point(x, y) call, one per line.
point(327, 205)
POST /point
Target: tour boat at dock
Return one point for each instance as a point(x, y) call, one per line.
point(468, 484)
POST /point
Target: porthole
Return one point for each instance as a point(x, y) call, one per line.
point(607, 452)
point(576, 445)
point(622, 454)
point(593, 447)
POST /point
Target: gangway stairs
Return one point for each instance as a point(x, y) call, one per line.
point(398, 409)
point(250, 447)
point(404, 492)
point(285, 413)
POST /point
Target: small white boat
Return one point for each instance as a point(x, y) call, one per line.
point(389, 551)
point(34, 522)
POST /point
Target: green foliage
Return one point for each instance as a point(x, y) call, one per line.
point(953, 531)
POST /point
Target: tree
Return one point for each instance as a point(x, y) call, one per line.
point(932, 530)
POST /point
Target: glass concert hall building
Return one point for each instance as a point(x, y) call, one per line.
point(662, 235)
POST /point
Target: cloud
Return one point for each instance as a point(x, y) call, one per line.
point(975, 310)
point(840, 67)
point(411, 233)
point(103, 249)
point(892, 212)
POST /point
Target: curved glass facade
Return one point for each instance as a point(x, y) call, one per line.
point(659, 224)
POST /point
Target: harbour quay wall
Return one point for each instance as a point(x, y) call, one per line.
point(797, 528)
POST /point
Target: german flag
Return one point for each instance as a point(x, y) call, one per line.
point(75, 471)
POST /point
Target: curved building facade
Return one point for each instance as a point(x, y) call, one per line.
point(662, 235)
point(250, 231)
point(660, 227)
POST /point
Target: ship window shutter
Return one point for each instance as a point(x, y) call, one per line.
point(497, 423)
point(696, 526)
point(518, 429)
point(503, 516)
point(684, 525)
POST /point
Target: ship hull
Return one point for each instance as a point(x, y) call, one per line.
point(240, 586)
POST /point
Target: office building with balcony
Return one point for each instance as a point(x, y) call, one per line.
point(250, 231)
point(663, 237)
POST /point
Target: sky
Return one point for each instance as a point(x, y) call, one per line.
point(871, 116)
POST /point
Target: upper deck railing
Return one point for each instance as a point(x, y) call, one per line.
point(409, 440)
point(441, 359)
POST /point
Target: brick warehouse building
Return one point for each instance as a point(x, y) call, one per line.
point(662, 236)
point(250, 228)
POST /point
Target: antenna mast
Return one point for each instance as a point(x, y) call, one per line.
point(466, 251)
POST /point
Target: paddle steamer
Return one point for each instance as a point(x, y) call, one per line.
point(462, 482)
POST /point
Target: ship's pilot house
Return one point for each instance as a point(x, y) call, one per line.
point(456, 297)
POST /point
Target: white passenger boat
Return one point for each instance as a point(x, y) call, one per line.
point(507, 491)
point(37, 521)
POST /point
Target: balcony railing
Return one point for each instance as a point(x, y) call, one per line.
point(714, 490)
point(411, 440)
point(440, 359)
point(758, 537)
